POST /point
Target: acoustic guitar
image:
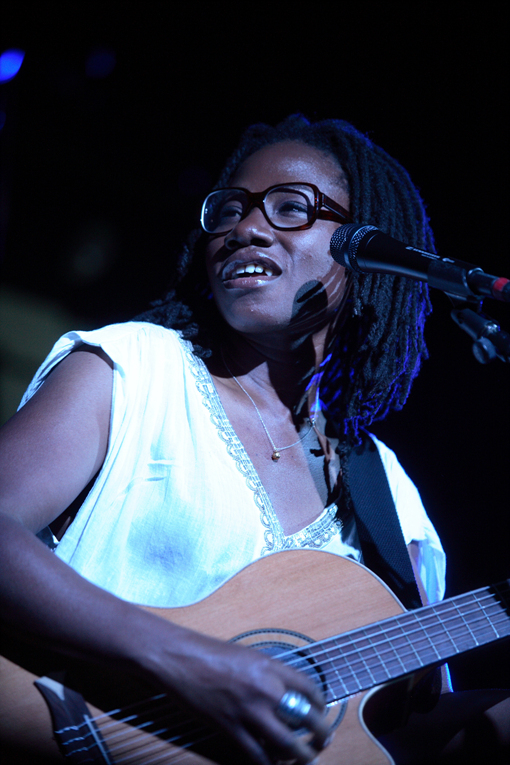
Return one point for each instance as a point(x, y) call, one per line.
point(323, 614)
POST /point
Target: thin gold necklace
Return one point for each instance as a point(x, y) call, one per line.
point(275, 456)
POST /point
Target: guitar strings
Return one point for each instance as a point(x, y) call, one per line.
point(349, 674)
point(329, 643)
point(136, 741)
point(336, 643)
point(146, 738)
point(457, 619)
point(111, 722)
point(163, 716)
point(399, 622)
point(159, 748)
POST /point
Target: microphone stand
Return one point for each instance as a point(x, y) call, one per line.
point(467, 286)
point(489, 340)
point(365, 250)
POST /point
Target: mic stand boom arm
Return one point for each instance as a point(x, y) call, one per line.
point(365, 249)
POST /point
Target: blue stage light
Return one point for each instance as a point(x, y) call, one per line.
point(10, 63)
point(100, 63)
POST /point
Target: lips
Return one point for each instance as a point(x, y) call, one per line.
point(255, 268)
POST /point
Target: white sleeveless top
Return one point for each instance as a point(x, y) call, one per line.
point(178, 508)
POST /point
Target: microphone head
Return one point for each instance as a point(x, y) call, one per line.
point(345, 242)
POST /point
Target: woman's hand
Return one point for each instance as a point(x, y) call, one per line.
point(236, 689)
point(239, 690)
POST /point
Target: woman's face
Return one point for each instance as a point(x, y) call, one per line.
point(305, 286)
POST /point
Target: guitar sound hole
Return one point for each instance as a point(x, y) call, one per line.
point(298, 660)
point(297, 651)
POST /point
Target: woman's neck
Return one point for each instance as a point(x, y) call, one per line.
point(272, 370)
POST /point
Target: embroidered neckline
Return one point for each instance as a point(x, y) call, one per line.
point(318, 533)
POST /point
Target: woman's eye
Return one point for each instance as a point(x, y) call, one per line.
point(229, 212)
point(292, 208)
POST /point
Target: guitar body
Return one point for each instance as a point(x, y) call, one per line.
point(289, 599)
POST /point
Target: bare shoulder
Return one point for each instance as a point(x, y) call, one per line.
point(57, 442)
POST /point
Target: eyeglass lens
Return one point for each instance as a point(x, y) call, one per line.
point(287, 206)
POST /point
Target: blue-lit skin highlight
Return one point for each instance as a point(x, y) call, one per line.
point(10, 63)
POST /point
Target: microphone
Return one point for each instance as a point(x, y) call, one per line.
point(366, 250)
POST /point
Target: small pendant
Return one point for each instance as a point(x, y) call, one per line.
point(275, 456)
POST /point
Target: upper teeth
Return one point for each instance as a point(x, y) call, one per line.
point(251, 268)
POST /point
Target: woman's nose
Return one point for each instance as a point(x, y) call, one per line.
point(252, 229)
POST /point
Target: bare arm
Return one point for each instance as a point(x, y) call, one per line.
point(49, 451)
point(57, 442)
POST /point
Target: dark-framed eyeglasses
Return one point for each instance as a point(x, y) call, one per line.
point(286, 206)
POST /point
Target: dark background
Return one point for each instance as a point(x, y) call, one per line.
point(117, 123)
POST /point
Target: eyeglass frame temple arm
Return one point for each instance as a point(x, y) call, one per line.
point(333, 209)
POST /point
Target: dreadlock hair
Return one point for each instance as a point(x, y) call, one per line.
point(377, 348)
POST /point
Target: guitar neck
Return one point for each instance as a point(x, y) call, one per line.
point(414, 640)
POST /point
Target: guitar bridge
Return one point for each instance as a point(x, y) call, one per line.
point(77, 735)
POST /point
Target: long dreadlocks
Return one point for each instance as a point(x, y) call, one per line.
point(377, 350)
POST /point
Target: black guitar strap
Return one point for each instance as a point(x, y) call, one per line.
point(380, 534)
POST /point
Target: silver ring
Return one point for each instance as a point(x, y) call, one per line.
point(293, 709)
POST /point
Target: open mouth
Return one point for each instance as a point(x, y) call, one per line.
point(249, 270)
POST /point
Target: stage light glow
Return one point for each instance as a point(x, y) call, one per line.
point(100, 63)
point(10, 63)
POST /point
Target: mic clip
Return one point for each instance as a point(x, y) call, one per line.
point(489, 340)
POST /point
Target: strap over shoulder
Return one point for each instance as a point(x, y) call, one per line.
point(380, 534)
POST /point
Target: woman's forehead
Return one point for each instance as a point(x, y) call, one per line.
point(286, 162)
